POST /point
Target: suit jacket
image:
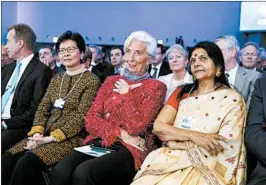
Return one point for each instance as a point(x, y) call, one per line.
point(165, 69)
point(255, 134)
point(28, 94)
point(103, 70)
point(244, 82)
point(57, 69)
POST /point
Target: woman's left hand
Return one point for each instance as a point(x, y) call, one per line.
point(122, 87)
point(43, 140)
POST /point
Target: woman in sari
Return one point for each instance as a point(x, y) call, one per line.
point(201, 126)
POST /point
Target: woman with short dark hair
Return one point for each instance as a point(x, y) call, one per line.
point(59, 120)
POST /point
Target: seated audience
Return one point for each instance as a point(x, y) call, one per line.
point(99, 68)
point(118, 120)
point(47, 56)
point(255, 135)
point(249, 56)
point(158, 67)
point(4, 56)
point(24, 83)
point(59, 120)
point(177, 59)
point(201, 127)
point(240, 78)
point(116, 56)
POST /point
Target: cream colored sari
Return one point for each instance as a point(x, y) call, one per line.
point(222, 112)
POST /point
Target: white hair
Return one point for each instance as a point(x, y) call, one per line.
point(145, 37)
point(230, 41)
point(179, 47)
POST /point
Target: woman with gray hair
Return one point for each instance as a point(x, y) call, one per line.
point(177, 59)
point(118, 122)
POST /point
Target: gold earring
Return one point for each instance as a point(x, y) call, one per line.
point(218, 73)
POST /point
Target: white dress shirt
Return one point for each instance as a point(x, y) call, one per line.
point(24, 64)
point(172, 84)
point(232, 75)
point(158, 69)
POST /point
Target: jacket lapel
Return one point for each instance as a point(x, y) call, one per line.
point(240, 79)
point(31, 66)
point(6, 74)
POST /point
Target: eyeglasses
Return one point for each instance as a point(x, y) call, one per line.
point(134, 53)
point(69, 50)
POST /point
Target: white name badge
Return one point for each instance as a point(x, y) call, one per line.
point(187, 122)
point(59, 103)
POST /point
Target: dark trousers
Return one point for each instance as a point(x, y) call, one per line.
point(22, 169)
point(10, 137)
point(116, 168)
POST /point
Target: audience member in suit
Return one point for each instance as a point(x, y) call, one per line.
point(262, 60)
point(118, 119)
point(99, 68)
point(4, 56)
point(116, 56)
point(240, 78)
point(255, 135)
point(177, 58)
point(59, 120)
point(158, 67)
point(24, 84)
point(47, 56)
point(249, 56)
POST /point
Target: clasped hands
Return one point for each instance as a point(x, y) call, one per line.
point(122, 87)
point(37, 139)
point(210, 142)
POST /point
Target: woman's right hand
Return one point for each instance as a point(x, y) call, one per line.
point(209, 141)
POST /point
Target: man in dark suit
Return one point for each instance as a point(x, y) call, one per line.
point(98, 67)
point(158, 67)
point(47, 56)
point(255, 135)
point(24, 84)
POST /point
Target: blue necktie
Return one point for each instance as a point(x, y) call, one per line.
point(11, 86)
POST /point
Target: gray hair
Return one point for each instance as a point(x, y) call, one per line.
point(179, 47)
point(145, 37)
point(230, 41)
point(98, 49)
point(255, 45)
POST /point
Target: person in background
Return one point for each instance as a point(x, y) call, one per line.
point(4, 56)
point(47, 56)
point(262, 59)
point(87, 58)
point(99, 68)
point(116, 56)
point(177, 59)
point(255, 135)
point(201, 126)
point(158, 67)
point(118, 119)
point(249, 56)
point(59, 120)
point(240, 78)
point(23, 85)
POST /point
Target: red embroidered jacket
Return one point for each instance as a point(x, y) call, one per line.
point(133, 112)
